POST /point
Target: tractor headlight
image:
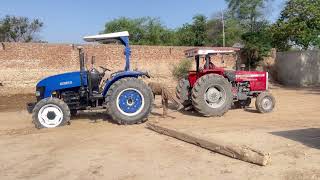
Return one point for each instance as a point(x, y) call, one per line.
point(38, 93)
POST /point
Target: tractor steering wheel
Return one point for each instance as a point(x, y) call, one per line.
point(104, 69)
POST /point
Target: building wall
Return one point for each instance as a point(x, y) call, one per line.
point(23, 64)
point(298, 68)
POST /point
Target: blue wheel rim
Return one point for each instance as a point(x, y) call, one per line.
point(130, 102)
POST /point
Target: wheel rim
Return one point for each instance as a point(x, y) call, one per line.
point(50, 116)
point(267, 103)
point(215, 96)
point(130, 102)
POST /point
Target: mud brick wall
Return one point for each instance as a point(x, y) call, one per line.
point(23, 64)
point(298, 68)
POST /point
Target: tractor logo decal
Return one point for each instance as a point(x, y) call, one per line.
point(250, 75)
point(65, 83)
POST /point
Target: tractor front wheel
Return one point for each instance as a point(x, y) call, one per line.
point(212, 95)
point(265, 102)
point(129, 101)
point(50, 113)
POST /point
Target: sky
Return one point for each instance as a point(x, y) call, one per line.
point(67, 21)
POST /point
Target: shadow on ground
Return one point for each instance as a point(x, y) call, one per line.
point(193, 112)
point(93, 116)
point(309, 137)
point(314, 90)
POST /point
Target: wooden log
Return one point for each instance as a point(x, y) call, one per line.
point(240, 152)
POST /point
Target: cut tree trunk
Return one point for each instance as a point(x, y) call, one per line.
point(240, 152)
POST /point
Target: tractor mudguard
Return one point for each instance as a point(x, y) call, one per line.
point(120, 75)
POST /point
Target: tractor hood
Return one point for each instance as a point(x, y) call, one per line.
point(61, 81)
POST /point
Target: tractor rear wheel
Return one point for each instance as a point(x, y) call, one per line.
point(50, 113)
point(183, 92)
point(265, 102)
point(129, 101)
point(212, 95)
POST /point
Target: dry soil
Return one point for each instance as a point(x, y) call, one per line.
point(89, 149)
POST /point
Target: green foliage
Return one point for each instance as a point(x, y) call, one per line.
point(194, 34)
point(299, 25)
point(257, 46)
point(150, 31)
point(233, 30)
point(19, 29)
point(185, 35)
point(199, 28)
point(248, 22)
point(181, 70)
point(248, 12)
point(143, 31)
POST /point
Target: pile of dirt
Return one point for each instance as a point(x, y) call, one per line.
point(15, 102)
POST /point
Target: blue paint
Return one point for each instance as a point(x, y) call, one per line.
point(127, 51)
point(61, 82)
point(72, 80)
point(119, 76)
point(130, 101)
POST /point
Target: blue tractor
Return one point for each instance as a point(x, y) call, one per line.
point(126, 98)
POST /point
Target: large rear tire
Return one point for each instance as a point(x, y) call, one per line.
point(212, 95)
point(129, 101)
point(50, 113)
point(183, 92)
point(265, 102)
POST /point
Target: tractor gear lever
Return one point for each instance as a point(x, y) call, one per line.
point(93, 60)
point(104, 69)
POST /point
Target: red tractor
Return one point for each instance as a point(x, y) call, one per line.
point(212, 90)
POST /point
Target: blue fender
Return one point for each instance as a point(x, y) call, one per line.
point(121, 75)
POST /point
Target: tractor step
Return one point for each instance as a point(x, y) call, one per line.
point(96, 96)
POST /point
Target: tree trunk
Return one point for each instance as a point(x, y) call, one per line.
point(240, 152)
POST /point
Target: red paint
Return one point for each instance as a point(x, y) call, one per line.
point(193, 74)
point(258, 80)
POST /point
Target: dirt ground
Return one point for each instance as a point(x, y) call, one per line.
point(102, 150)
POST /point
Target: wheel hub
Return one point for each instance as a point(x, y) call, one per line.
point(266, 103)
point(51, 115)
point(130, 102)
point(213, 95)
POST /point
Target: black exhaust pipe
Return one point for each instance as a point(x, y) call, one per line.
point(82, 70)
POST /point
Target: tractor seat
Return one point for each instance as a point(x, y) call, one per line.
point(104, 80)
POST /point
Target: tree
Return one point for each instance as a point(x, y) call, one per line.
point(143, 31)
point(156, 33)
point(199, 28)
point(257, 46)
point(185, 35)
point(298, 25)
point(19, 29)
point(194, 34)
point(233, 30)
point(134, 26)
point(248, 12)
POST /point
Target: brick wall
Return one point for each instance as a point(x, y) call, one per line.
point(23, 64)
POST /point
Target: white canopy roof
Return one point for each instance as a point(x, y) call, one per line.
point(102, 37)
point(210, 50)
